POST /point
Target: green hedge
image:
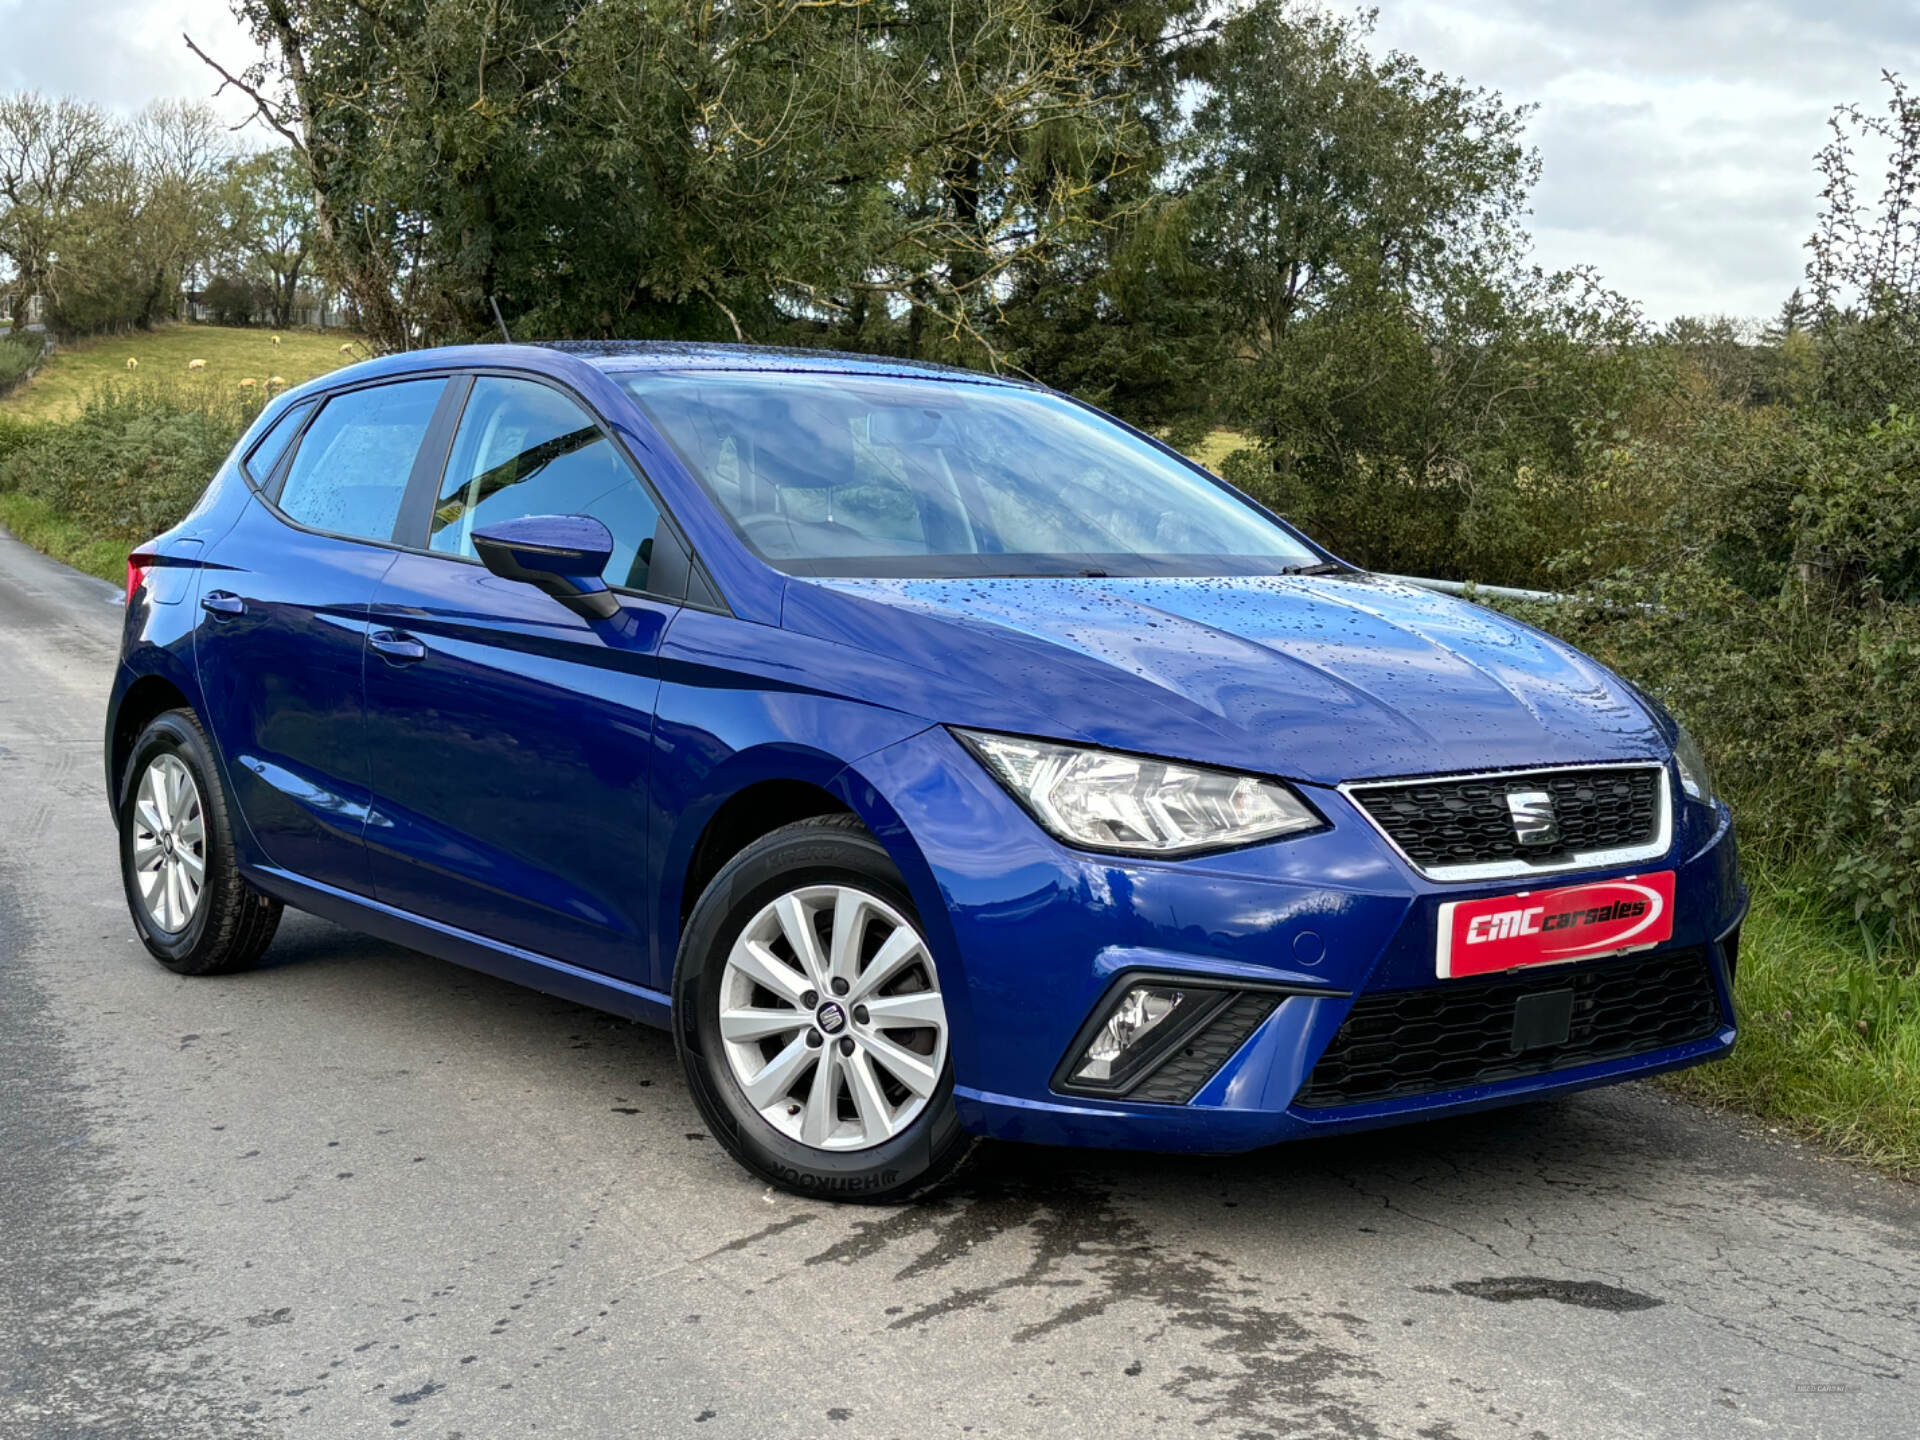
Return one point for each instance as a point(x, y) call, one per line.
point(1777, 610)
point(127, 468)
point(18, 355)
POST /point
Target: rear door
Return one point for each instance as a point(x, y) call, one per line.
point(285, 595)
point(510, 739)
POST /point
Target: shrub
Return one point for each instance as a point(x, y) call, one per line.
point(18, 355)
point(132, 464)
point(235, 300)
point(1776, 608)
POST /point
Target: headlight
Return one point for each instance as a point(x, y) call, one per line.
point(1100, 800)
point(1694, 778)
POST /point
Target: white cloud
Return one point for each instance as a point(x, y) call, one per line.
point(121, 53)
point(1677, 136)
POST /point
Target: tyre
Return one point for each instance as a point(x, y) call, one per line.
point(190, 906)
point(809, 1016)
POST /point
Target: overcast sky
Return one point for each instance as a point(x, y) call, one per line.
point(1677, 135)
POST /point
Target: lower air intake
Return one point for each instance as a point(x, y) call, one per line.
point(1447, 1036)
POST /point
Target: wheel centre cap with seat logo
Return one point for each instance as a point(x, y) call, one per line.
point(1534, 820)
point(832, 1017)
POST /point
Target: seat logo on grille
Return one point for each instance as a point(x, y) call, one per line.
point(1534, 821)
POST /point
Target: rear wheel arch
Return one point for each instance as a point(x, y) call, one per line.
point(145, 700)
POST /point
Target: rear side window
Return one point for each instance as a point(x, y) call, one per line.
point(526, 449)
point(272, 445)
point(350, 473)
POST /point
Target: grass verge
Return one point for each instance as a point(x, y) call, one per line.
point(1829, 1033)
point(38, 524)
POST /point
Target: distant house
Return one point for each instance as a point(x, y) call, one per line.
point(36, 309)
point(318, 311)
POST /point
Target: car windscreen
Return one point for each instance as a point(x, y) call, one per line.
point(893, 476)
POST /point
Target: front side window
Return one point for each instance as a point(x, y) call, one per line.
point(892, 476)
point(525, 449)
point(350, 472)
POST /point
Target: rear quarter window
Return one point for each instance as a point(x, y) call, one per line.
point(270, 447)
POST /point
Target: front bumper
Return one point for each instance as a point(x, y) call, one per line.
point(1031, 936)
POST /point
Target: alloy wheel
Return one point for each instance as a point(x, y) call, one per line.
point(832, 1019)
point(169, 844)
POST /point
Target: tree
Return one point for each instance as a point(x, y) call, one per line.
point(144, 223)
point(1318, 169)
point(267, 225)
point(689, 168)
point(1416, 389)
point(50, 151)
point(1864, 271)
point(176, 151)
point(105, 220)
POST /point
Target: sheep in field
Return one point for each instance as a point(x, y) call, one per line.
point(132, 364)
point(248, 383)
point(196, 364)
point(274, 338)
point(274, 381)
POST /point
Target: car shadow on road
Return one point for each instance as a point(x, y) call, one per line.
point(1623, 1140)
point(1275, 1292)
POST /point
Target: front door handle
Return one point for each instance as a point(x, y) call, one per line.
point(222, 602)
point(398, 646)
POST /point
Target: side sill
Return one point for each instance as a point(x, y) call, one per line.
point(463, 947)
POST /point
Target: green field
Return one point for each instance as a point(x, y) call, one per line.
point(76, 370)
point(1213, 451)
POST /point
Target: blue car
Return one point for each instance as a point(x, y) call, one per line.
point(937, 757)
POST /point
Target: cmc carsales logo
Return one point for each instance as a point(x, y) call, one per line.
point(1571, 923)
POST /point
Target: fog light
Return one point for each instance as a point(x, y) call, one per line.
point(1123, 1037)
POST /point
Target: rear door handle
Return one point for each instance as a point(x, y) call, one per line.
point(222, 602)
point(398, 646)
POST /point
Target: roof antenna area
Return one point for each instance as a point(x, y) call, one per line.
point(498, 321)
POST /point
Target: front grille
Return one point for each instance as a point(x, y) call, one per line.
point(1442, 1037)
point(1443, 822)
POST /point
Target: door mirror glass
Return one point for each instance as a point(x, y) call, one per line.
point(563, 555)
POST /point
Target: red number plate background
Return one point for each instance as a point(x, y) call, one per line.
point(1575, 922)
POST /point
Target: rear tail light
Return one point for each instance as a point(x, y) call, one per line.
point(138, 563)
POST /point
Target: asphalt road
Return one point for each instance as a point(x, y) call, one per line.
point(360, 1191)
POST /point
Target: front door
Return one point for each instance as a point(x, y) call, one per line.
point(510, 738)
point(279, 645)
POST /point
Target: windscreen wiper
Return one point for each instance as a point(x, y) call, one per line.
point(1323, 567)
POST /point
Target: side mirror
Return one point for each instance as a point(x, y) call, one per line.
point(560, 554)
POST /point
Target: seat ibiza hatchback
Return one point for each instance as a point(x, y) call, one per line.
point(936, 756)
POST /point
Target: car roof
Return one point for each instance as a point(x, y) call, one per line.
point(614, 357)
point(619, 355)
